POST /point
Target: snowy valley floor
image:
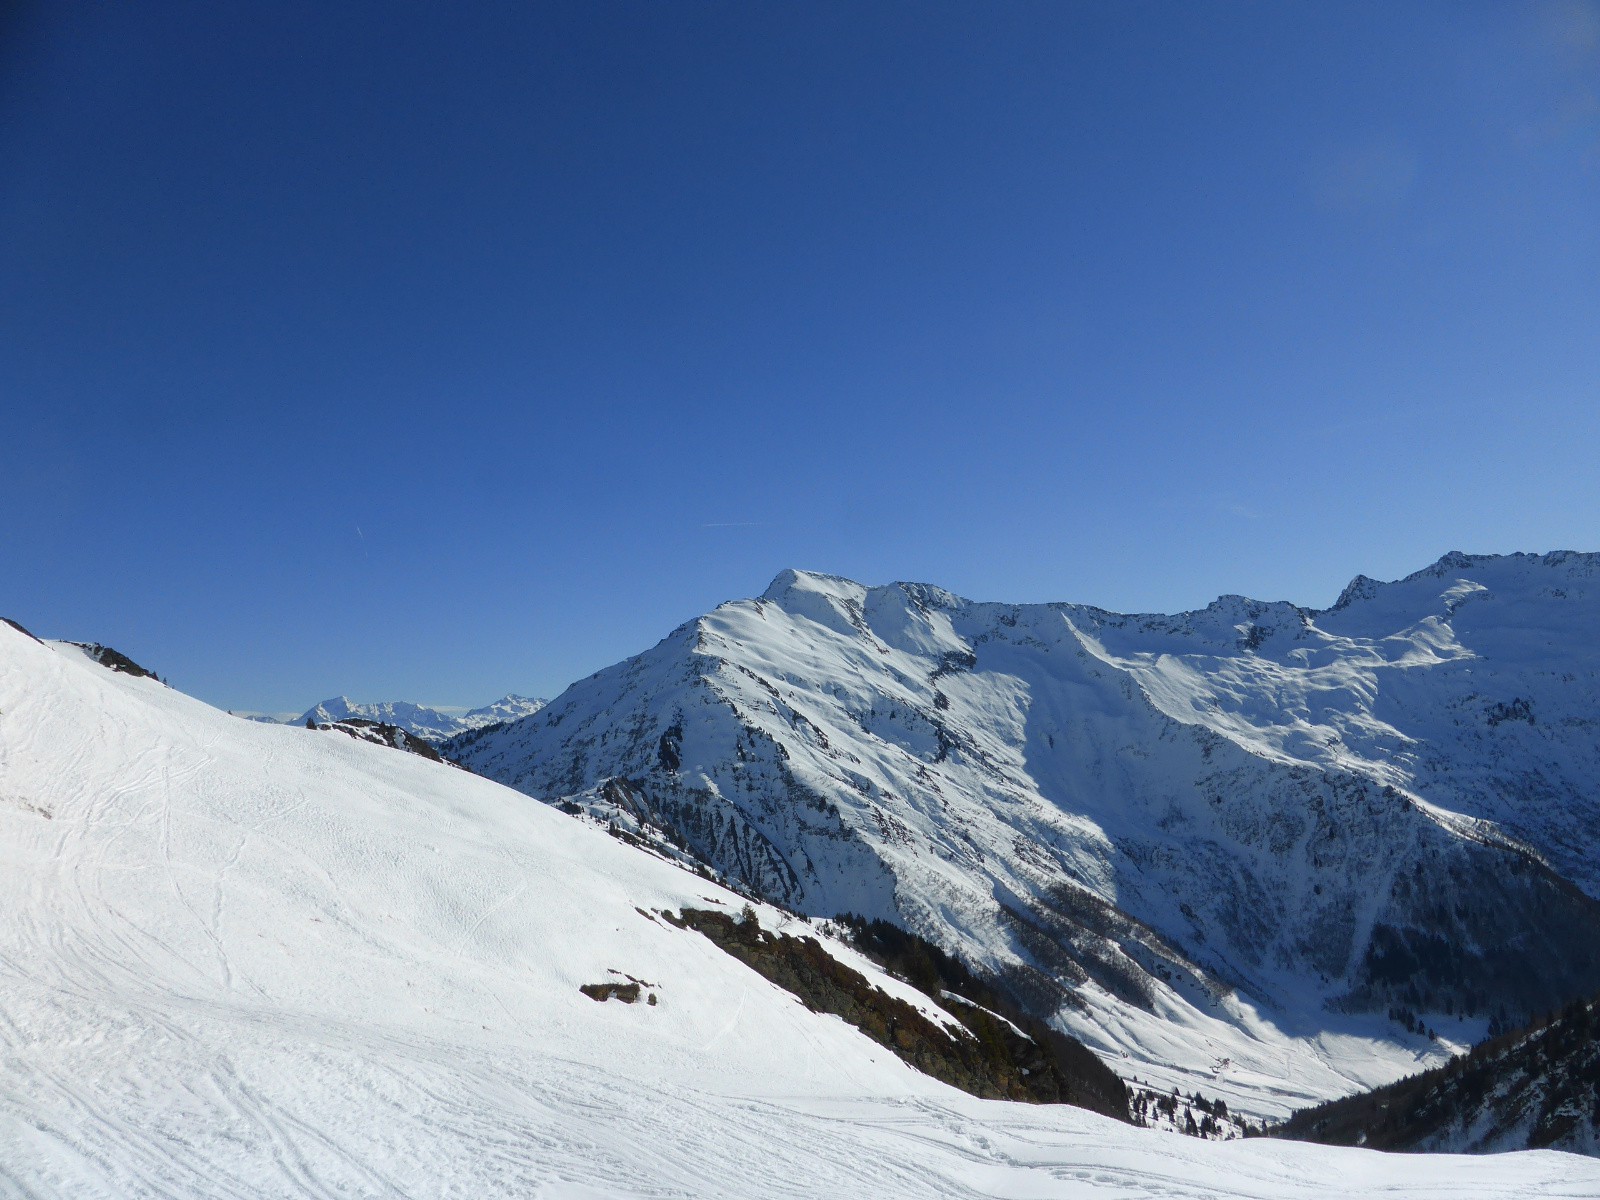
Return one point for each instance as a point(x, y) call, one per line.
point(240, 960)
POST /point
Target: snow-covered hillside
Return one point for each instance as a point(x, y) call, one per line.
point(1532, 1088)
point(432, 724)
point(248, 960)
point(1255, 850)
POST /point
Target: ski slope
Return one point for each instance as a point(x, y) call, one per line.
point(242, 960)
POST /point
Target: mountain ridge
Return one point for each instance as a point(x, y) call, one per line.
point(1231, 817)
point(420, 720)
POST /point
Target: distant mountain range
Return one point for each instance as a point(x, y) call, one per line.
point(431, 724)
point(1267, 853)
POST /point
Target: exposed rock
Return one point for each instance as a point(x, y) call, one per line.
point(381, 734)
point(115, 660)
point(992, 1057)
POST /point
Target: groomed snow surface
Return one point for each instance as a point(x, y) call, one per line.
point(246, 960)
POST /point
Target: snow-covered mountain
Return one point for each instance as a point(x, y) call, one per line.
point(1255, 850)
point(249, 960)
point(433, 724)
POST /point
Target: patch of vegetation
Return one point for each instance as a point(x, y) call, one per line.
point(1519, 709)
point(1546, 1076)
point(669, 750)
point(953, 661)
point(997, 1054)
point(1173, 1110)
point(1509, 944)
point(934, 973)
point(454, 746)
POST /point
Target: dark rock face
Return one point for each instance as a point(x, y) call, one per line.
point(628, 993)
point(994, 1057)
point(669, 751)
point(115, 660)
point(381, 734)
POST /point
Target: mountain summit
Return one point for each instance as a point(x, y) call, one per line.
point(1271, 853)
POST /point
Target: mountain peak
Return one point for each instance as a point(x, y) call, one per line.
point(790, 579)
point(1362, 587)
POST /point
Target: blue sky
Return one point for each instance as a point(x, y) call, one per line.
point(431, 352)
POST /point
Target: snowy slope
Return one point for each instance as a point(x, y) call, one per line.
point(240, 960)
point(245, 960)
point(432, 724)
point(1222, 846)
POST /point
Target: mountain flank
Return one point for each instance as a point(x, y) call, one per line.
point(1258, 852)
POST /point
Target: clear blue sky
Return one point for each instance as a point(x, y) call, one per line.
point(435, 351)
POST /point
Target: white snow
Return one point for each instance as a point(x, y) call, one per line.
point(239, 960)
